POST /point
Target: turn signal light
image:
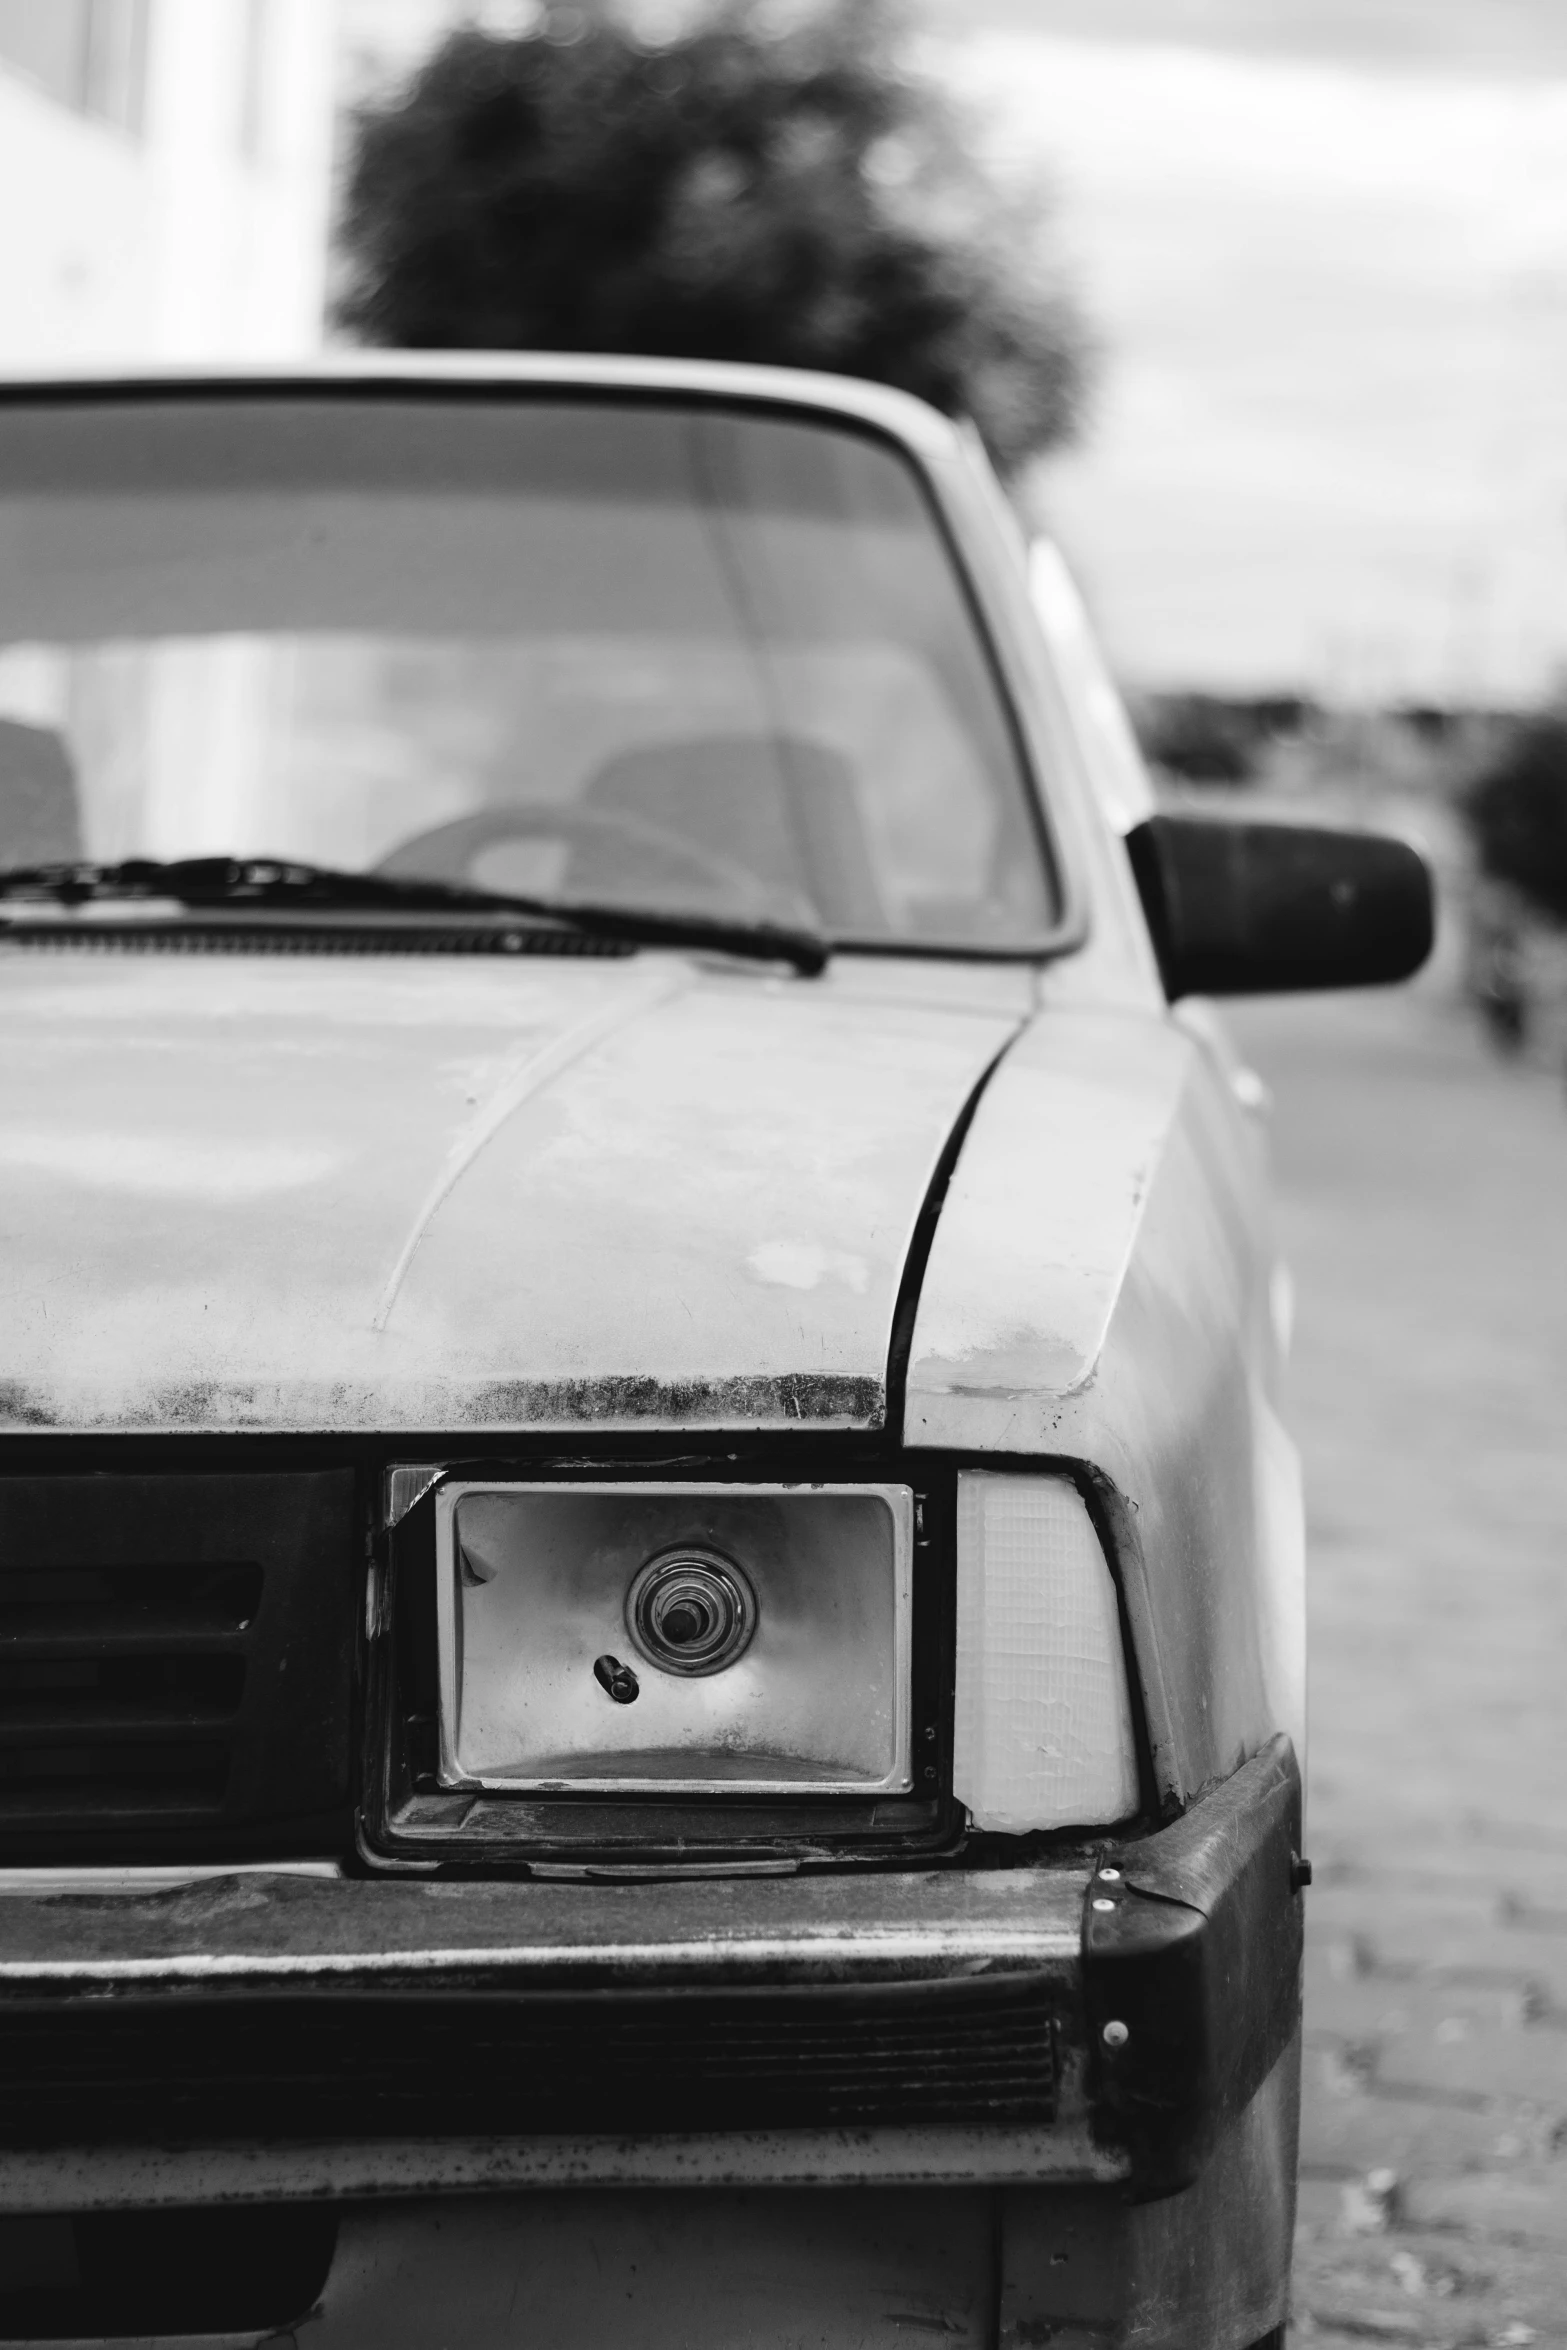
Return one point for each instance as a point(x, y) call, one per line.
point(1042, 1733)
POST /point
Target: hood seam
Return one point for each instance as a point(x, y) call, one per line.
point(537, 1072)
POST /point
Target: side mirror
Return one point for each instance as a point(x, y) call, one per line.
point(1249, 908)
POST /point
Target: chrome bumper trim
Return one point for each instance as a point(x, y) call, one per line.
point(88, 2178)
point(167, 1879)
point(274, 1928)
point(861, 1953)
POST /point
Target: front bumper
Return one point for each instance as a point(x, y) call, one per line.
point(260, 2038)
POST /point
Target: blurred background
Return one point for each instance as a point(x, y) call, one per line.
point(1261, 306)
point(1291, 275)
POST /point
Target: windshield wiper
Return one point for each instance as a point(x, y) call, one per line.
point(273, 882)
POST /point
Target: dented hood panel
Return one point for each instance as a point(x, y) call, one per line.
point(377, 1194)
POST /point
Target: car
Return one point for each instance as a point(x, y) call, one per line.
point(651, 1574)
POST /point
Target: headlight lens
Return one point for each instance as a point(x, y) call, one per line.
point(1042, 1732)
point(693, 1639)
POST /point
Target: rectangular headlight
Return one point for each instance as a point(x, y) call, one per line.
point(1042, 1734)
point(675, 1639)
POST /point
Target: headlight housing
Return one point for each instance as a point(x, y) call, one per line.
point(1042, 1728)
point(674, 1639)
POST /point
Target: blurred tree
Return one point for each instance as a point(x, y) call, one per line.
point(783, 189)
point(1517, 811)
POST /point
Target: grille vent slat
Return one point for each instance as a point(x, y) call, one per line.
point(113, 1693)
point(343, 2066)
point(56, 1785)
point(219, 1598)
point(116, 1694)
point(24, 1724)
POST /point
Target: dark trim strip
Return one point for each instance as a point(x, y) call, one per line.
point(1192, 1945)
point(922, 1240)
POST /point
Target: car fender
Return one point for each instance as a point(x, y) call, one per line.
point(1097, 1293)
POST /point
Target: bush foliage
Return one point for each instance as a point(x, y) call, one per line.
point(1216, 738)
point(798, 195)
point(1517, 810)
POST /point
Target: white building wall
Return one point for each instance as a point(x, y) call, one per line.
point(199, 234)
point(76, 244)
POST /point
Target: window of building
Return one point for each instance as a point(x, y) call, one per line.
point(88, 54)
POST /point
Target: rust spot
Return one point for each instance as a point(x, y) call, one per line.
point(19, 1409)
point(796, 1399)
point(195, 1405)
point(796, 1396)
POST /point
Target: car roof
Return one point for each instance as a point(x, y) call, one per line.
point(912, 421)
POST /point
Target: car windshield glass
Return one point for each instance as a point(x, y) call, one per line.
point(681, 657)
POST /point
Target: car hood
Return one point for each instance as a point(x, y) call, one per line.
point(311, 1193)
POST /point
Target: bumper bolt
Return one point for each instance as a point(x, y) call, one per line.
point(1115, 2035)
point(1104, 1905)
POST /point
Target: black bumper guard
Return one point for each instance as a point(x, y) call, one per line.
point(1192, 1943)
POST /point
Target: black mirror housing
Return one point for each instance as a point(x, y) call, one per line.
point(1249, 907)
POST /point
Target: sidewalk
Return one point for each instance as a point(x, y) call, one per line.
point(1423, 1194)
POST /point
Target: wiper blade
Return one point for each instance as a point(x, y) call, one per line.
point(276, 882)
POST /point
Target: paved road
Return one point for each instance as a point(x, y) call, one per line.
point(1424, 1206)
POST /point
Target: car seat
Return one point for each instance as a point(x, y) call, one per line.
point(40, 821)
point(783, 808)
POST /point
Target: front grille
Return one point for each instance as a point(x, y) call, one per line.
point(339, 2066)
point(175, 1655)
point(119, 1688)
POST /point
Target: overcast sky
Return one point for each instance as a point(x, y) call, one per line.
point(1523, 37)
point(1325, 244)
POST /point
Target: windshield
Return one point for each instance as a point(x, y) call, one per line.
point(616, 651)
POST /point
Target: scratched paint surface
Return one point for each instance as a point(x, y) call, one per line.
point(1042, 1215)
point(282, 1194)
